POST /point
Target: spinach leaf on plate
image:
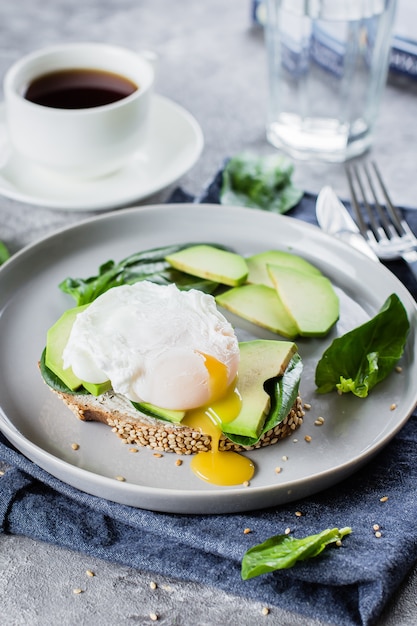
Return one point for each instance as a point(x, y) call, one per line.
point(4, 253)
point(284, 551)
point(259, 182)
point(363, 357)
point(147, 265)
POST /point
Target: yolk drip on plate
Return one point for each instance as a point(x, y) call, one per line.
point(216, 466)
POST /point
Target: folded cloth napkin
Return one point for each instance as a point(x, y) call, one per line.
point(344, 586)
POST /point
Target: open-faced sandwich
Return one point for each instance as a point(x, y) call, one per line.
point(162, 366)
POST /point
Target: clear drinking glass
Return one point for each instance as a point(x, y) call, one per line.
point(328, 63)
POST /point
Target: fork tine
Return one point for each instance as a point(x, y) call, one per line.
point(356, 207)
point(392, 210)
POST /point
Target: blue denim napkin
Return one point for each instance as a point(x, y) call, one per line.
point(344, 586)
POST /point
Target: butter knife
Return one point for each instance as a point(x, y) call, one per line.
point(334, 219)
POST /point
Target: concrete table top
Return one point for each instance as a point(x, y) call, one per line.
point(212, 62)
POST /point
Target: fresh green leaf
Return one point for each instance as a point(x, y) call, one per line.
point(4, 253)
point(147, 265)
point(284, 551)
point(363, 357)
point(283, 391)
point(259, 182)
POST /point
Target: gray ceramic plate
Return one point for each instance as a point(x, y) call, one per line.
point(43, 429)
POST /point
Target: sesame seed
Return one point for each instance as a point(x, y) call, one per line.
point(399, 369)
point(75, 446)
point(133, 450)
point(295, 440)
point(287, 531)
point(307, 406)
point(338, 543)
point(298, 514)
point(120, 478)
point(90, 573)
point(153, 616)
point(307, 438)
point(77, 591)
point(285, 458)
point(157, 455)
point(178, 462)
point(393, 407)
point(265, 611)
point(278, 470)
point(247, 531)
point(383, 499)
point(375, 526)
point(153, 584)
point(246, 483)
point(319, 421)
point(378, 534)
point(2, 472)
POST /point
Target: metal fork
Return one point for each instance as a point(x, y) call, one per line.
point(381, 224)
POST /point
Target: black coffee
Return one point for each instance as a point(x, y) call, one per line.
point(79, 89)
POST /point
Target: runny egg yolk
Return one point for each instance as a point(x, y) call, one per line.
point(215, 466)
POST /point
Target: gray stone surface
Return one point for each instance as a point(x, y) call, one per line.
point(212, 62)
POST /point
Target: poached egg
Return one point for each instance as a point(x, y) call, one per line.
point(156, 344)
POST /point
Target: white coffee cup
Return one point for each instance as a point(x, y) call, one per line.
point(79, 142)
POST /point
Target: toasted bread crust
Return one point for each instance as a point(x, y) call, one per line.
point(135, 428)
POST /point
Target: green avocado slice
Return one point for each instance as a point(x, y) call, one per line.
point(209, 262)
point(260, 360)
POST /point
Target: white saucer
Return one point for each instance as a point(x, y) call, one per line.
point(174, 143)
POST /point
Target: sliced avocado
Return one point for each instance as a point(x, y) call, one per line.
point(258, 271)
point(311, 300)
point(215, 264)
point(158, 412)
point(260, 360)
point(96, 389)
point(56, 340)
point(261, 305)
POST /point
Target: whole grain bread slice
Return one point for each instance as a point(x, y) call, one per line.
point(133, 427)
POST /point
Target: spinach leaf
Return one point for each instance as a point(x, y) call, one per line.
point(283, 391)
point(147, 265)
point(284, 551)
point(259, 182)
point(4, 253)
point(363, 357)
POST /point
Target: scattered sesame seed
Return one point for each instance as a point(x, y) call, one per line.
point(153, 584)
point(338, 543)
point(247, 531)
point(278, 470)
point(298, 514)
point(75, 446)
point(307, 406)
point(153, 616)
point(120, 478)
point(399, 369)
point(383, 499)
point(285, 458)
point(378, 534)
point(307, 438)
point(90, 573)
point(133, 450)
point(77, 591)
point(178, 462)
point(287, 531)
point(265, 611)
point(393, 407)
point(376, 527)
point(246, 483)
point(295, 440)
point(2, 472)
point(157, 455)
point(319, 421)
